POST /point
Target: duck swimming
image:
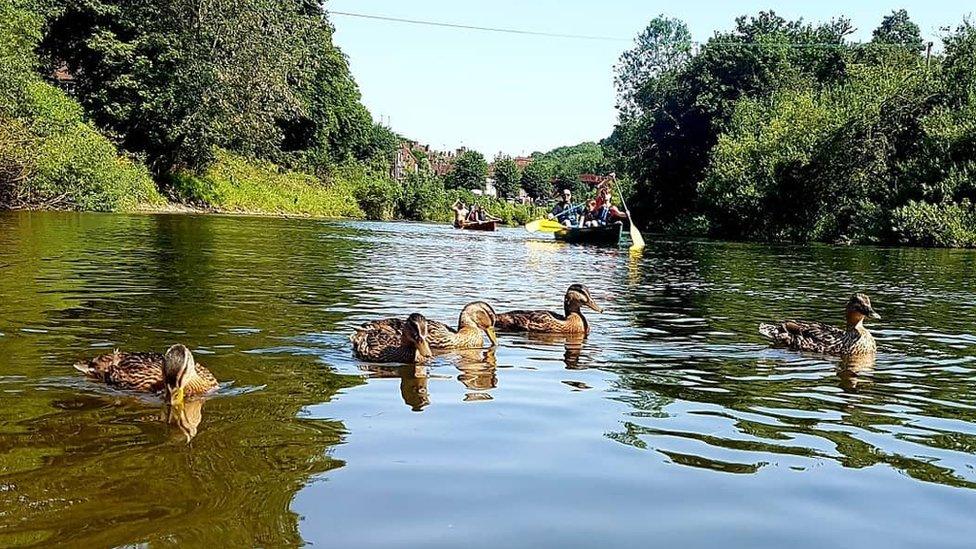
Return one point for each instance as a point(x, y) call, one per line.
point(476, 318)
point(571, 321)
point(382, 343)
point(818, 337)
point(175, 373)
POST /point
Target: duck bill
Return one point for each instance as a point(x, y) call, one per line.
point(423, 348)
point(874, 315)
point(594, 306)
point(176, 396)
point(492, 336)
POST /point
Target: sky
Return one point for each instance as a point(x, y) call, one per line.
point(518, 94)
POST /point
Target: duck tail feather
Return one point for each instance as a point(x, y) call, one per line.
point(769, 331)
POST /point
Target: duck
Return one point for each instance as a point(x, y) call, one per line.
point(382, 343)
point(174, 373)
point(817, 337)
point(476, 318)
point(571, 321)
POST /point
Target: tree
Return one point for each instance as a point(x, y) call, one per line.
point(469, 171)
point(663, 47)
point(898, 28)
point(507, 177)
point(174, 81)
point(537, 179)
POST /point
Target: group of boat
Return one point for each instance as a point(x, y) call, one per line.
point(606, 235)
point(568, 223)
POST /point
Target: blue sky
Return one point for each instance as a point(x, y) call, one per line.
point(518, 94)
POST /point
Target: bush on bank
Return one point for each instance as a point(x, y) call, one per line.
point(233, 183)
point(50, 156)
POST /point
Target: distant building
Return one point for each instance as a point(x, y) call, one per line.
point(411, 156)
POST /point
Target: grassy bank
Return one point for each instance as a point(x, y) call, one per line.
point(235, 184)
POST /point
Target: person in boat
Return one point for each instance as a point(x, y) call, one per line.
point(563, 210)
point(591, 215)
point(607, 212)
point(477, 215)
point(460, 213)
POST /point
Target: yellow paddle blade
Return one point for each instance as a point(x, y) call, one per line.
point(636, 239)
point(544, 225)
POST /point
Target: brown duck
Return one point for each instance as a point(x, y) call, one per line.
point(175, 373)
point(381, 343)
point(571, 321)
point(476, 318)
point(818, 337)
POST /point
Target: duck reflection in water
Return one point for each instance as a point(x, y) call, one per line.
point(855, 371)
point(413, 382)
point(572, 347)
point(186, 415)
point(479, 373)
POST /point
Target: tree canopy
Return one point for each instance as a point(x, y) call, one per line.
point(507, 177)
point(469, 171)
point(173, 81)
point(771, 132)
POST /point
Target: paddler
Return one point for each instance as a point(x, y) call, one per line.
point(460, 213)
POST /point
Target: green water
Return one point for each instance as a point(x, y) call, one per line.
point(671, 424)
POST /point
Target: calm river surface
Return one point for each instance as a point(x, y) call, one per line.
point(672, 424)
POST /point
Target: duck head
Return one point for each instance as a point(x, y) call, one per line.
point(415, 335)
point(480, 315)
point(578, 295)
point(178, 368)
point(858, 308)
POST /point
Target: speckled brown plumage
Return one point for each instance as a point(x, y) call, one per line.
point(142, 372)
point(818, 337)
point(571, 322)
point(382, 343)
point(475, 320)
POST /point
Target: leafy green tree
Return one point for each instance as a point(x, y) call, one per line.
point(537, 179)
point(507, 177)
point(662, 48)
point(898, 28)
point(666, 149)
point(469, 171)
point(175, 81)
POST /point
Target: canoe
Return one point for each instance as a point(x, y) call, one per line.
point(479, 225)
point(608, 235)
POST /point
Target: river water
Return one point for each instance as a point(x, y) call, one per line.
point(673, 423)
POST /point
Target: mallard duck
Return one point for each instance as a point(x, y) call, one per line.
point(175, 373)
point(818, 337)
point(476, 318)
point(381, 343)
point(571, 322)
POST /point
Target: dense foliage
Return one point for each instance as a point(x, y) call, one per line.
point(507, 177)
point(49, 155)
point(469, 171)
point(175, 79)
point(783, 130)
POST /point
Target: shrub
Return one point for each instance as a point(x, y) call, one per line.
point(236, 183)
point(935, 225)
point(49, 155)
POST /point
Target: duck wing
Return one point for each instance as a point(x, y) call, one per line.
point(439, 335)
point(528, 321)
point(803, 335)
point(381, 345)
point(133, 371)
